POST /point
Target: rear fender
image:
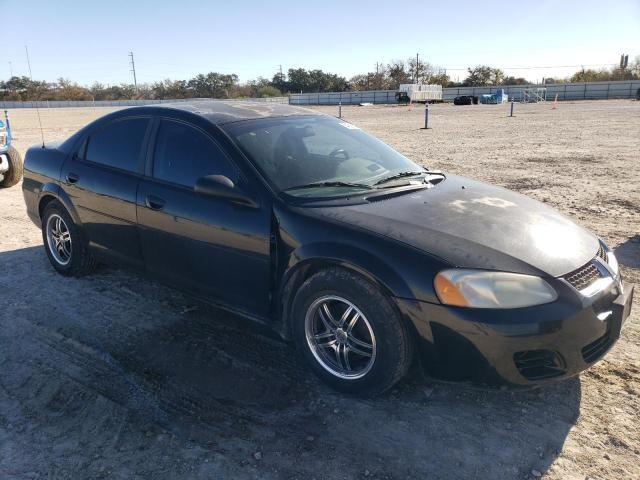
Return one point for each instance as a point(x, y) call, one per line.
point(52, 191)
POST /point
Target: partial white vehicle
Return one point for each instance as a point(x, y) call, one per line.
point(11, 166)
point(419, 92)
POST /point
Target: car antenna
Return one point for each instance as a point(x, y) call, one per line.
point(37, 108)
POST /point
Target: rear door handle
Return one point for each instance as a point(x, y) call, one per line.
point(154, 203)
point(72, 177)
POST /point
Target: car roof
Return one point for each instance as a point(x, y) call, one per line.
point(217, 112)
point(220, 112)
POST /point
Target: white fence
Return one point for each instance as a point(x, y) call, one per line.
point(346, 98)
point(565, 91)
point(124, 103)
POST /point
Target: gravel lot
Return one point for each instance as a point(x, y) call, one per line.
point(116, 376)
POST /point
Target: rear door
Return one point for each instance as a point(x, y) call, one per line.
point(102, 180)
point(211, 246)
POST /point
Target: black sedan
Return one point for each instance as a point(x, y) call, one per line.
point(304, 222)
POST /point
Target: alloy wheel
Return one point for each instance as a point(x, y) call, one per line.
point(59, 239)
point(340, 337)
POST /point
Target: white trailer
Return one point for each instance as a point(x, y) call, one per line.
point(419, 92)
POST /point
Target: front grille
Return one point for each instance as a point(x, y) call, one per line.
point(539, 364)
point(583, 276)
point(602, 254)
point(596, 349)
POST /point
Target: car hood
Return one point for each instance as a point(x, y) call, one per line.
point(475, 225)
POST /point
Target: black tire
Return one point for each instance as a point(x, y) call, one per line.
point(81, 262)
point(14, 174)
point(393, 342)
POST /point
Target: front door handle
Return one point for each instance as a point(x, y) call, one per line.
point(72, 177)
point(154, 203)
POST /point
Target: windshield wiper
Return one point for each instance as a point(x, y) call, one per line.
point(397, 176)
point(329, 184)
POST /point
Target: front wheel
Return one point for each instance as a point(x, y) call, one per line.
point(15, 167)
point(349, 333)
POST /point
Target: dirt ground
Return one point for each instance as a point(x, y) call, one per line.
point(115, 376)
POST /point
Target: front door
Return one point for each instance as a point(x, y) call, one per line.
point(212, 246)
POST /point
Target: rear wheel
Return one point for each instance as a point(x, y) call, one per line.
point(14, 174)
point(64, 243)
point(349, 333)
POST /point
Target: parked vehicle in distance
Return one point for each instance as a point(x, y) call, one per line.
point(403, 97)
point(10, 159)
point(466, 100)
point(305, 223)
point(495, 98)
point(420, 93)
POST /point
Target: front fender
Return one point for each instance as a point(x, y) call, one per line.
point(304, 243)
point(403, 274)
point(305, 260)
point(359, 260)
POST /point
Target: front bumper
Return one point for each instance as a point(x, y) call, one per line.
point(520, 346)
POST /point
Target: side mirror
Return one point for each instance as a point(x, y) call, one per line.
point(221, 186)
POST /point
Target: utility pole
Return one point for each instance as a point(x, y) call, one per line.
point(133, 70)
point(377, 71)
point(624, 61)
point(11, 69)
point(280, 71)
point(417, 66)
point(26, 49)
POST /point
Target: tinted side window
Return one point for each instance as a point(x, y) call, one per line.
point(119, 144)
point(183, 154)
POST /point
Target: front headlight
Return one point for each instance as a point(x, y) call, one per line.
point(613, 263)
point(486, 289)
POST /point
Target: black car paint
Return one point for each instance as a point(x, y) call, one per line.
point(476, 225)
point(251, 258)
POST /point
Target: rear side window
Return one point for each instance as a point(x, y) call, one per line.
point(119, 144)
point(183, 154)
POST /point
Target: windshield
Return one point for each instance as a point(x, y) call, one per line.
point(318, 156)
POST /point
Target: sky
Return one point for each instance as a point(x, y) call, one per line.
point(88, 41)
